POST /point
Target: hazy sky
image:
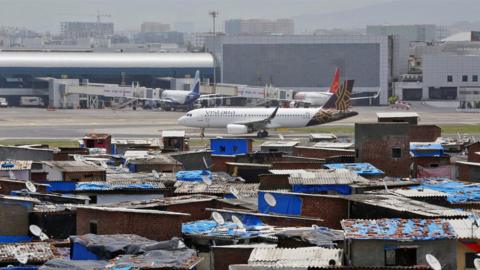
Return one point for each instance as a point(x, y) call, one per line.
point(43, 15)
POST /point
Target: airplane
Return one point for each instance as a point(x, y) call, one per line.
point(316, 98)
point(172, 99)
point(249, 120)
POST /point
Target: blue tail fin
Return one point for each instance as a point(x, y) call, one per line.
point(196, 84)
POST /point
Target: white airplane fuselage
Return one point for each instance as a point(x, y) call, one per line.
point(221, 117)
point(314, 99)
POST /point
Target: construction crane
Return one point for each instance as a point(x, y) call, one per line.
point(99, 16)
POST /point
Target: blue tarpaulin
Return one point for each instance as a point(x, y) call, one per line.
point(193, 176)
point(61, 186)
point(211, 228)
point(340, 189)
point(358, 168)
point(81, 252)
point(5, 239)
point(457, 191)
point(286, 204)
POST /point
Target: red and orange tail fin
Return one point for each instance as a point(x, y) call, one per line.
point(335, 82)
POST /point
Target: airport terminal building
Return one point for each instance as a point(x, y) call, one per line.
point(302, 62)
point(23, 73)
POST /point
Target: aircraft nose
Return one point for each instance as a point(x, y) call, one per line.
point(181, 120)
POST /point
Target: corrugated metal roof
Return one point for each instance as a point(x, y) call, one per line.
point(465, 228)
point(419, 193)
point(105, 60)
point(325, 177)
point(295, 257)
point(119, 185)
point(398, 229)
point(15, 165)
point(74, 166)
point(402, 204)
point(334, 145)
point(358, 168)
point(130, 210)
point(38, 252)
point(164, 201)
point(279, 144)
point(244, 190)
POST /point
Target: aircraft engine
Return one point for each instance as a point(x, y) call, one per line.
point(237, 129)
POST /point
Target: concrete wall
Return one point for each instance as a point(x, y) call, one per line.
point(13, 219)
point(372, 252)
point(12, 152)
point(375, 142)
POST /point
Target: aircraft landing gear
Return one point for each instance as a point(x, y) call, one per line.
point(262, 134)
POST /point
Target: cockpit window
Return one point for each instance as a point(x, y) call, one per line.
point(189, 114)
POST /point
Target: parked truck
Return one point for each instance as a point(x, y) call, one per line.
point(31, 102)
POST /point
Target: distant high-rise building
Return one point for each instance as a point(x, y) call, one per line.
point(154, 27)
point(77, 30)
point(412, 33)
point(259, 27)
point(184, 27)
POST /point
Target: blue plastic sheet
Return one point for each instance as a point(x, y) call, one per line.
point(108, 186)
point(287, 204)
point(458, 192)
point(5, 239)
point(340, 189)
point(61, 186)
point(209, 227)
point(193, 176)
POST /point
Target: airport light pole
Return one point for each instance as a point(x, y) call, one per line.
point(214, 15)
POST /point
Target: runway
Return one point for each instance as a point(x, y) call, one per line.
point(29, 123)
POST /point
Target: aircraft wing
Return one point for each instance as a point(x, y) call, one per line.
point(368, 97)
point(259, 124)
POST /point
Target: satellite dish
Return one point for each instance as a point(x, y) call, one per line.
point(234, 192)
point(281, 136)
point(433, 262)
point(238, 222)
point(30, 186)
point(35, 230)
point(218, 218)
point(44, 237)
point(156, 175)
point(315, 226)
point(11, 175)
point(104, 164)
point(78, 158)
point(271, 201)
point(181, 245)
point(21, 257)
point(476, 263)
point(206, 179)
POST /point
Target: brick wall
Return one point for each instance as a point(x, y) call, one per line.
point(375, 143)
point(468, 173)
point(6, 187)
point(274, 181)
point(225, 256)
point(153, 226)
point(219, 163)
point(329, 208)
point(424, 133)
point(321, 152)
point(292, 165)
point(84, 176)
point(472, 148)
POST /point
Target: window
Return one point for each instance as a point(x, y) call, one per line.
point(395, 256)
point(396, 152)
point(235, 148)
point(222, 148)
point(464, 78)
point(449, 78)
point(475, 78)
point(93, 226)
point(469, 258)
